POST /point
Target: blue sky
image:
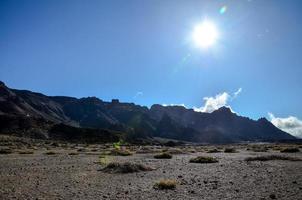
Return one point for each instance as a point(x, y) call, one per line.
point(140, 51)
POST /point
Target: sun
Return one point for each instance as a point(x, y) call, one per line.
point(205, 34)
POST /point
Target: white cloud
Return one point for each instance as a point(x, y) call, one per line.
point(138, 94)
point(237, 93)
point(213, 103)
point(220, 100)
point(289, 124)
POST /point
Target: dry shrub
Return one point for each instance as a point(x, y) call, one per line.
point(272, 157)
point(6, 151)
point(119, 152)
point(290, 150)
point(213, 151)
point(26, 152)
point(164, 155)
point(127, 167)
point(230, 150)
point(73, 153)
point(166, 184)
point(50, 153)
point(203, 159)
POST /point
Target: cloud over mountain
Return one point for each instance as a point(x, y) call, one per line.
point(290, 124)
point(218, 101)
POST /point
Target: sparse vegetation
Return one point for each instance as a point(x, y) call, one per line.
point(176, 151)
point(50, 153)
point(166, 184)
point(163, 155)
point(104, 159)
point(26, 152)
point(257, 149)
point(272, 157)
point(6, 151)
point(82, 150)
point(203, 159)
point(277, 148)
point(119, 152)
point(117, 145)
point(73, 153)
point(213, 151)
point(290, 150)
point(94, 150)
point(230, 150)
point(127, 167)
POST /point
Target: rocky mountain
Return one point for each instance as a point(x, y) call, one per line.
point(222, 125)
point(37, 115)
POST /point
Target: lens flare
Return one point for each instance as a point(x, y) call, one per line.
point(223, 9)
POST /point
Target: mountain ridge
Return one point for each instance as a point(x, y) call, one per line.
point(134, 121)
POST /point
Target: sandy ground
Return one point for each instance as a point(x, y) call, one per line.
point(62, 176)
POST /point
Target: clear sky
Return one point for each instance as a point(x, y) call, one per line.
point(141, 51)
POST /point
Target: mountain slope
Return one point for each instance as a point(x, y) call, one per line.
point(222, 123)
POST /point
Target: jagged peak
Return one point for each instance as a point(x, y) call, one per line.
point(91, 99)
point(223, 109)
point(262, 119)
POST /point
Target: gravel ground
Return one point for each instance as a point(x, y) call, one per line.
point(62, 176)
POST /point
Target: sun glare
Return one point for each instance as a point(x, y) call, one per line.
point(205, 34)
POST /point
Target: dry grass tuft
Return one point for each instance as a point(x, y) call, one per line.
point(166, 184)
point(73, 153)
point(164, 155)
point(50, 153)
point(127, 167)
point(230, 150)
point(6, 151)
point(26, 152)
point(176, 151)
point(119, 152)
point(290, 150)
point(213, 151)
point(203, 159)
point(272, 157)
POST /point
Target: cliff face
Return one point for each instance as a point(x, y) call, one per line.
point(26, 110)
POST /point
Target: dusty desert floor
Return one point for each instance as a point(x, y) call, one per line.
point(29, 173)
